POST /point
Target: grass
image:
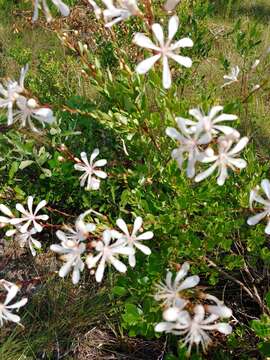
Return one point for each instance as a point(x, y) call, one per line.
point(58, 316)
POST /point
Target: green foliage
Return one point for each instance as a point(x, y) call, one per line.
point(125, 116)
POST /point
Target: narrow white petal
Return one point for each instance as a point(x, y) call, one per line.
point(164, 326)
point(173, 133)
point(146, 236)
point(123, 226)
point(118, 264)
point(253, 220)
point(137, 225)
point(100, 174)
point(206, 173)
point(182, 60)
point(239, 146)
point(182, 43)
point(146, 64)
point(13, 290)
point(173, 27)
point(40, 206)
point(266, 187)
point(5, 210)
point(94, 154)
point(100, 270)
point(189, 282)
point(101, 162)
point(166, 75)
point(18, 304)
point(144, 41)
point(239, 163)
point(224, 328)
point(158, 32)
point(145, 249)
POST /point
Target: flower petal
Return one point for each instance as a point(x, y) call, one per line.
point(158, 32)
point(173, 27)
point(182, 60)
point(137, 225)
point(166, 74)
point(146, 64)
point(123, 226)
point(144, 41)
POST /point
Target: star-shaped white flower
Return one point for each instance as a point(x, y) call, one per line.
point(71, 251)
point(210, 123)
point(169, 293)
point(81, 231)
point(90, 169)
point(30, 217)
point(5, 307)
point(114, 14)
point(62, 7)
point(10, 91)
point(194, 328)
point(133, 240)
point(26, 238)
point(188, 144)
point(232, 77)
point(108, 253)
point(256, 197)
point(226, 158)
point(165, 51)
point(28, 109)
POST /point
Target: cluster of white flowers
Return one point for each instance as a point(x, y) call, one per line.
point(25, 226)
point(5, 307)
point(196, 141)
point(61, 6)
point(106, 250)
point(189, 314)
point(12, 96)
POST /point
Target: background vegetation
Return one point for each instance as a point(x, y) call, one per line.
point(100, 102)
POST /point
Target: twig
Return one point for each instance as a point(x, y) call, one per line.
point(228, 276)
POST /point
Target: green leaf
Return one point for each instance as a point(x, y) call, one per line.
point(119, 291)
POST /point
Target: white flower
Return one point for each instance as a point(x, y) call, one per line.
point(164, 51)
point(30, 216)
point(188, 144)
point(171, 4)
point(232, 77)
point(28, 109)
point(108, 253)
point(81, 231)
point(209, 123)
point(194, 328)
point(89, 169)
point(6, 307)
point(10, 91)
point(114, 14)
point(170, 291)
point(72, 251)
point(224, 160)
point(255, 196)
point(133, 240)
point(62, 7)
point(26, 238)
